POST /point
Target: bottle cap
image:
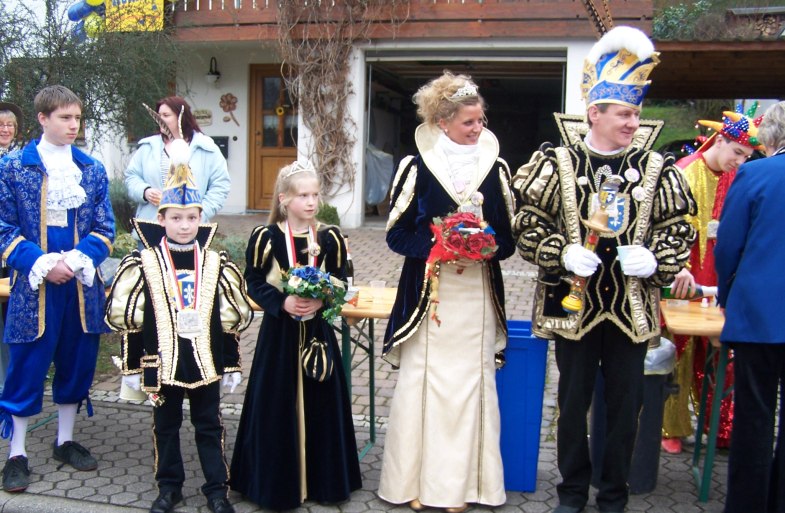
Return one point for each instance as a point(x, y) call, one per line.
point(705, 302)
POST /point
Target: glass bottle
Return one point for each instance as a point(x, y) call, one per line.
point(349, 263)
point(699, 291)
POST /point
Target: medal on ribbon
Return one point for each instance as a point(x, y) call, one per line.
point(185, 293)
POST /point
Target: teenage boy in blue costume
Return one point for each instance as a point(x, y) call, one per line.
point(56, 227)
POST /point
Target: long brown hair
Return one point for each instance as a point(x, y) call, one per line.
point(189, 124)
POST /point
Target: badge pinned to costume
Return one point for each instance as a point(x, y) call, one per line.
point(185, 293)
point(189, 324)
point(473, 205)
point(617, 210)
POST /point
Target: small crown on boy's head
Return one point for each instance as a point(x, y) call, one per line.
point(298, 167)
point(466, 90)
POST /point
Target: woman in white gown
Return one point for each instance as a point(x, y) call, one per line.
point(442, 444)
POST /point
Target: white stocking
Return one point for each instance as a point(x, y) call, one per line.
point(17, 446)
point(67, 418)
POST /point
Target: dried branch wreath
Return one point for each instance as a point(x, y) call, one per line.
point(315, 39)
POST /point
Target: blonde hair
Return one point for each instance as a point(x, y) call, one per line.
point(9, 116)
point(435, 100)
point(288, 178)
point(771, 131)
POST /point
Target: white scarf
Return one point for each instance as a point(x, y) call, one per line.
point(63, 190)
point(462, 162)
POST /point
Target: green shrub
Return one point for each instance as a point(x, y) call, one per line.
point(234, 245)
point(328, 214)
point(678, 21)
point(124, 243)
point(124, 208)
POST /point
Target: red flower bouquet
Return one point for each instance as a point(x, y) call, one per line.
point(461, 235)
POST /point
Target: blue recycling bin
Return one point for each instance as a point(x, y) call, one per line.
point(520, 385)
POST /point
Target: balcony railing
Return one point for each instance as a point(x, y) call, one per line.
point(257, 19)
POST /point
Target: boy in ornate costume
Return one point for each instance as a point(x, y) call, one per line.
point(709, 172)
point(620, 312)
point(181, 307)
point(56, 227)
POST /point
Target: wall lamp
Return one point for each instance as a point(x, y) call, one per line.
point(213, 74)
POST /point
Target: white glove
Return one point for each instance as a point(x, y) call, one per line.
point(133, 381)
point(639, 262)
point(231, 380)
point(580, 261)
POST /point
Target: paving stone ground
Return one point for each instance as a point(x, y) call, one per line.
point(119, 434)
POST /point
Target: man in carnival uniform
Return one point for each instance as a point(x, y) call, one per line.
point(620, 312)
point(709, 172)
point(56, 227)
point(181, 308)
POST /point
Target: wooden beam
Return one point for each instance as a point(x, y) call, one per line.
point(268, 33)
point(525, 29)
point(738, 69)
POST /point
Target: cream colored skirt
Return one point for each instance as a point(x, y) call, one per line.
point(442, 443)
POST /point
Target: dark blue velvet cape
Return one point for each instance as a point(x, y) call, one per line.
point(410, 235)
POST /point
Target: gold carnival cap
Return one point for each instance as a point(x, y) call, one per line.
point(617, 68)
point(180, 190)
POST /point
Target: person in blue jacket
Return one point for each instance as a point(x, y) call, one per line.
point(56, 227)
point(749, 258)
point(148, 171)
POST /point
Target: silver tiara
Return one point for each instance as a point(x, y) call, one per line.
point(468, 89)
point(299, 167)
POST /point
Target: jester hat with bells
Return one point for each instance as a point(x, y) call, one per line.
point(736, 126)
point(617, 67)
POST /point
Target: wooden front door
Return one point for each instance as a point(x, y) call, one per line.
point(273, 126)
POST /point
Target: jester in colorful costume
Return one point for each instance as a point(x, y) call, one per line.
point(709, 172)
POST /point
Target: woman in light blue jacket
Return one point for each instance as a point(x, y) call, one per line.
point(149, 166)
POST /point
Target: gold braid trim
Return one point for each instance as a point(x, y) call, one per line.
point(165, 321)
point(126, 369)
point(339, 258)
point(258, 234)
point(569, 201)
point(406, 195)
point(235, 308)
point(412, 325)
point(635, 290)
point(79, 289)
point(505, 180)
point(11, 247)
point(544, 326)
point(206, 300)
point(103, 239)
point(166, 317)
point(125, 307)
point(44, 245)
